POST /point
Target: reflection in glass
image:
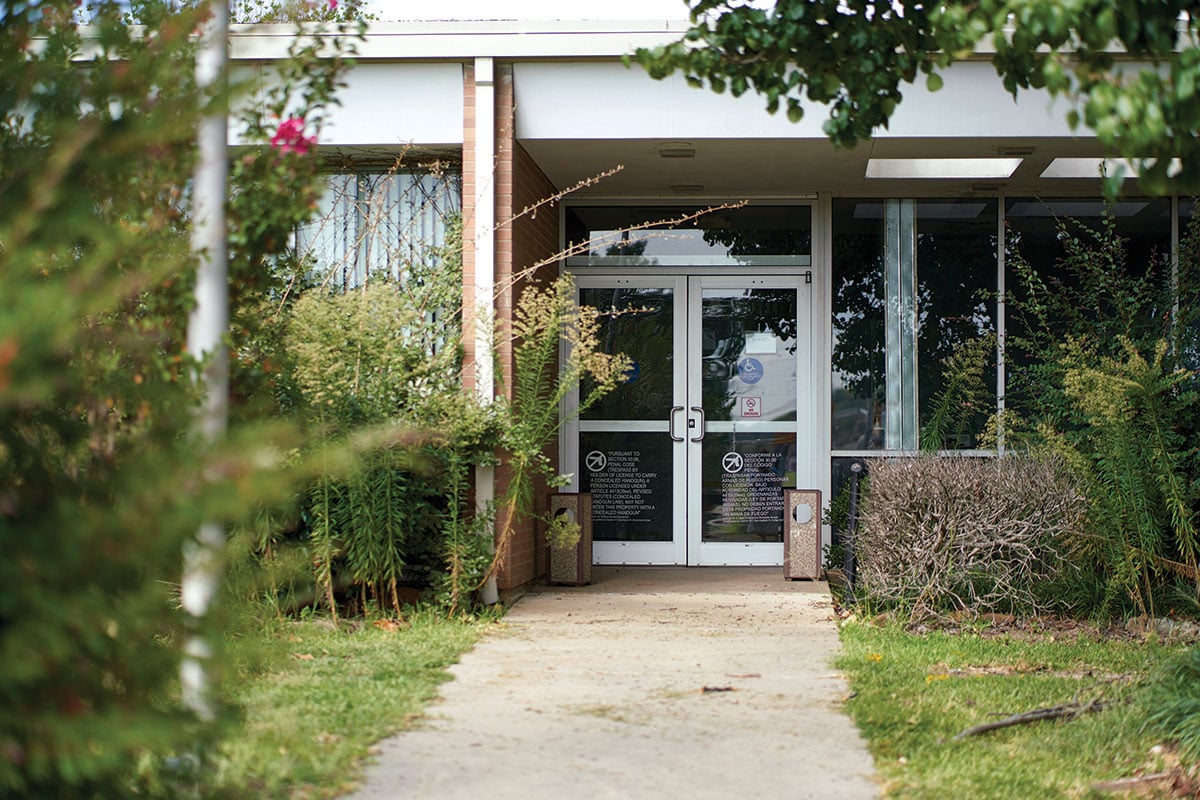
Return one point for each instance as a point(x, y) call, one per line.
point(956, 287)
point(748, 353)
point(640, 324)
point(744, 475)
point(955, 271)
point(1035, 235)
point(658, 235)
point(630, 479)
point(1033, 230)
point(859, 385)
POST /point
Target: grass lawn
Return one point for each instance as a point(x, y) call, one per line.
point(912, 694)
point(315, 699)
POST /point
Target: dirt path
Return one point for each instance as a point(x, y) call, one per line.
point(699, 683)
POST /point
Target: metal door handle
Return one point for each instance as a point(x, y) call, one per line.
point(671, 425)
point(699, 411)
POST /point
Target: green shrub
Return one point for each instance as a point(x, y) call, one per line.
point(100, 485)
point(1102, 359)
point(1104, 375)
point(374, 359)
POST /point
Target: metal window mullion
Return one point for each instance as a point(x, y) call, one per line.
point(1175, 232)
point(362, 231)
point(891, 291)
point(908, 320)
point(1001, 323)
point(900, 325)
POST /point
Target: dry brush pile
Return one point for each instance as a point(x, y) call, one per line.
point(955, 534)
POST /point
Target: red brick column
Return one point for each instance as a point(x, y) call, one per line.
point(468, 204)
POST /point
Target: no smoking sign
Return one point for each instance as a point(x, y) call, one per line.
point(751, 407)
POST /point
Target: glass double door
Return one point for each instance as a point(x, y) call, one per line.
point(687, 460)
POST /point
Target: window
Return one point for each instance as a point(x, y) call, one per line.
point(391, 225)
point(913, 282)
point(916, 280)
point(957, 251)
point(684, 236)
point(1034, 230)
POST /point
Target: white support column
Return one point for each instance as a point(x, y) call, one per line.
point(207, 324)
point(485, 270)
point(485, 226)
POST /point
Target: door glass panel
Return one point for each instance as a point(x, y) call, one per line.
point(629, 476)
point(641, 325)
point(744, 475)
point(748, 352)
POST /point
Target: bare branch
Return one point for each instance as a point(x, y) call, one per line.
point(1065, 711)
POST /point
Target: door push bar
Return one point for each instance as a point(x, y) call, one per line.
point(671, 424)
point(691, 424)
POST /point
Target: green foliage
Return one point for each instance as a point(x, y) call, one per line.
point(371, 357)
point(1141, 464)
point(563, 532)
point(367, 356)
point(276, 11)
point(99, 485)
point(856, 56)
point(467, 546)
point(1102, 372)
point(1172, 703)
point(385, 357)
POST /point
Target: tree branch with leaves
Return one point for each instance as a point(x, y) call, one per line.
point(1130, 69)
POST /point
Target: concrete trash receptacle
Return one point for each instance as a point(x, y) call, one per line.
point(572, 565)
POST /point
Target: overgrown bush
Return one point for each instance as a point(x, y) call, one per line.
point(1102, 357)
point(374, 358)
point(368, 358)
point(956, 534)
point(1103, 373)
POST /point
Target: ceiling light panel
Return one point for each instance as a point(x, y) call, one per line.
point(942, 168)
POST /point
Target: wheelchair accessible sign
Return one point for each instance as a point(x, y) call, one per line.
point(750, 370)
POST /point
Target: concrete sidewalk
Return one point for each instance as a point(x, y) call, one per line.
point(652, 682)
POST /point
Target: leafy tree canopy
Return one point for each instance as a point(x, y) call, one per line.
point(1130, 67)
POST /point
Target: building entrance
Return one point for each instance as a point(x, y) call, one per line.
point(688, 459)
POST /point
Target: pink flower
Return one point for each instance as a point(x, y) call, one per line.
point(332, 5)
point(289, 137)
